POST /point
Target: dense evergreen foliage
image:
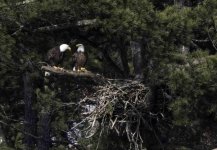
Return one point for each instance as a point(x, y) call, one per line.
point(178, 42)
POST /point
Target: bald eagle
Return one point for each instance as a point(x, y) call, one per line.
point(79, 58)
point(55, 55)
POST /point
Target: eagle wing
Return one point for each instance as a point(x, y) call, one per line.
point(51, 53)
point(82, 59)
point(86, 58)
point(79, 59)
point(53, 56)
point(74, 58)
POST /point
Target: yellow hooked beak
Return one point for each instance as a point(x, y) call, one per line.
point(69, 49)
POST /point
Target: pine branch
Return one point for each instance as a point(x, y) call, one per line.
point(25, 133)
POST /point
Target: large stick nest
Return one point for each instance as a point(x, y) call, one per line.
point(119, 106)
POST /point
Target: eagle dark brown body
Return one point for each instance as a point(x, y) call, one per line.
point(54, 56)
point(79, 60)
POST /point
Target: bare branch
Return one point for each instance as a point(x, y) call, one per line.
point(18, 3)
point(206, 44)
point(54, 27)
point(25, 2)
point(214, 24)
point(68, 72)
point(86, 22)
point(200, 41)
point(213, 44)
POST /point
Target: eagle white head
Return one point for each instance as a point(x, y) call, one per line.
point(64, 47)
point(80, 47)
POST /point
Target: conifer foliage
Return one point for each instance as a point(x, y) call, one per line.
point(158, 51)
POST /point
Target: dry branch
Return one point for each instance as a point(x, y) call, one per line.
point(213, 44)
point(3, 5)
point(68, 72)
point(55, 27)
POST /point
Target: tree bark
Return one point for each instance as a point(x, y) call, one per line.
point(30, 114)
point(137, 59)
point(44, 131)
point(112, 63)
point(124, 59)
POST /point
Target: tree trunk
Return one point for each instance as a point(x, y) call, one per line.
point(30, 114)
point(137, 59)
point(124, 61)
point(44, 131)
point(111, 62)
point(123, 56)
